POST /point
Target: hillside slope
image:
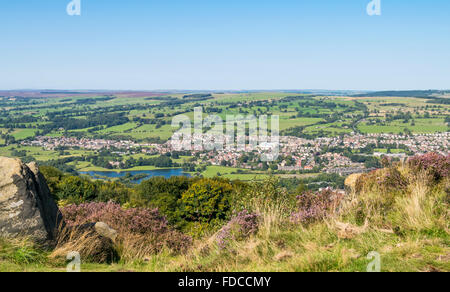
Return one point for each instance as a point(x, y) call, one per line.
point(399, 214)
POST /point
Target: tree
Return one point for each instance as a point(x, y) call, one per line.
point(164, 194)
point(76, 189)
point(206, 200)
point(53, 177)
point(301, 188)
point(274, 166)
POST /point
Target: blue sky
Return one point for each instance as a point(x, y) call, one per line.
point(232, 44)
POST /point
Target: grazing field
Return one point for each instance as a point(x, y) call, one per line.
point(20, 134)
point(419, 126)
point(151, 131)
point(146, 118)
point(234, 173)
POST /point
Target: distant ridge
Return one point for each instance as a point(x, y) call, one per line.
point(408, 93)
point(77, 93)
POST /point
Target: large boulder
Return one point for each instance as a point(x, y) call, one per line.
point(26, 206)
point(350, 181)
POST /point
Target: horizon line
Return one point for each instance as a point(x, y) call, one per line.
point(214, 90)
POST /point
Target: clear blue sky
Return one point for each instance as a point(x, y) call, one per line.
point(227, 44)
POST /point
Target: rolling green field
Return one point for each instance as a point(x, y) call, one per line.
point(147, 119)
point(233, 173)
point(21, 134)
point(421, 126)
point(304, 110)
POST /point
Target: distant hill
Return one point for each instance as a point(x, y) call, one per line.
point(408, 93)
point(434, 96)
point(71, 93)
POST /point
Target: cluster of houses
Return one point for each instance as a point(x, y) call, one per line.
point(52, 143)
point(304, 154)
point(296, 153)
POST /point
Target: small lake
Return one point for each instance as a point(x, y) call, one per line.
point(167, 173)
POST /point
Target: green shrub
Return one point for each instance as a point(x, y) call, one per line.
point(206, 200)
point(76, 190)
point(21, 252)
point(262, 195)
point(385, 180)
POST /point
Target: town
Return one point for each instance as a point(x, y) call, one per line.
point(344, 154)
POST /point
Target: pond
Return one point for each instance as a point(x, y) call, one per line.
point(143, 174)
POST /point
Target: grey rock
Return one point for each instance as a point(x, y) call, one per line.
point(26, 206)
point(104, 230)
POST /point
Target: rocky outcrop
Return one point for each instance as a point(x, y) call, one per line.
point(351, 180)
point(26, 206)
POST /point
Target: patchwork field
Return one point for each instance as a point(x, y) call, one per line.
point(147, 118)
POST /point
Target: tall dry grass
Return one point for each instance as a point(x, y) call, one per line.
point(416, 207)
point(91, 246)
point(398, 198)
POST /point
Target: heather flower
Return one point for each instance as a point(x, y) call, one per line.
point(437, 165)
point(240, 227)
point(316, 206)
point(146, 223)
point(386, 179)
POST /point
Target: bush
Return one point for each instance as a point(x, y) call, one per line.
point(53, 176)
point(76, 189)
point(143, 225)
point(316, 206)
point(437, 165)
point(258, 197)
point(270, 200)
point(162, 193)
point(206, 200)
point(240, 227)
point(136, 220)
point(386, 180)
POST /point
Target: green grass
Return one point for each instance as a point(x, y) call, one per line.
point(421, 126)
point(317, 249)
point(286, 122)
point(150, 131)
point(332, 129)
point(182, 159)
point(119, 129)
point(20, 134)
point(14, 253)
point(231, 173)
point(393, 151)
point(41, 154)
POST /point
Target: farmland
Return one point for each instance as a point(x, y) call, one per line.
point(145, 119)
